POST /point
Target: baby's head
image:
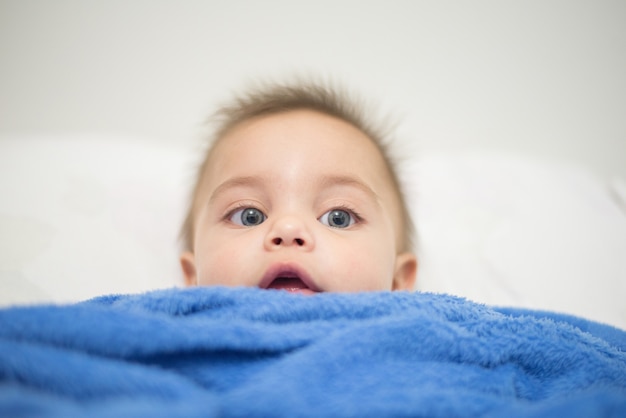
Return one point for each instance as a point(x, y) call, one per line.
point(298, 193)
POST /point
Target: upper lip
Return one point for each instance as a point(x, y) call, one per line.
point(287, 270)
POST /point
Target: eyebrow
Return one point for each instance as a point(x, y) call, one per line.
point(350, 181)
point(324, 183)
point(244, 181)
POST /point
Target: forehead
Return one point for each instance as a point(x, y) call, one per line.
point(305, 137)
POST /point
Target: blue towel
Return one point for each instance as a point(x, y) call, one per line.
point(240, 352)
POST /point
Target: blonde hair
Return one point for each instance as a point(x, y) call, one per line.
point(270, 99)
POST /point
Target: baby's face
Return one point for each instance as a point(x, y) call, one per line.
point(299, 201)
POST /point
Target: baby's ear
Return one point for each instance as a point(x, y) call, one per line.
point(405, 273)
point(188, 264)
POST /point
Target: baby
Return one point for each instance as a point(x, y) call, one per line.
point(298, 193)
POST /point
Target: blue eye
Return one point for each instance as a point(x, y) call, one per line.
point(337, 218)
point(247, 217)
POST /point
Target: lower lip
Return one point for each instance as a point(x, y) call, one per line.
point(291, 285)
point(299, 290)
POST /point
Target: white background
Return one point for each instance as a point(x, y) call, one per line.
point(539, 77)
point(102, 105)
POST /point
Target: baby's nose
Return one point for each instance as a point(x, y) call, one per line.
point(289, 231)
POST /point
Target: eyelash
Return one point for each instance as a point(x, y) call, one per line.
point(240, 206)
point(357, 217)
point(244, 205)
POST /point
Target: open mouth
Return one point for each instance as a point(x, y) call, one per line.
point(289, 280)
point(290, 284)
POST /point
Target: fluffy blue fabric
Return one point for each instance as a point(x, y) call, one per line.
point(206, 352)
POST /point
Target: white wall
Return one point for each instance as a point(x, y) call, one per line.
point(541, 77)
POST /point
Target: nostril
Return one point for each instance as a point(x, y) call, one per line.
point(296, 241)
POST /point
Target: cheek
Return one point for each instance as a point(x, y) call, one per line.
point(363, 265)
point(381, 262)
point(382, 253)
point(223, 261)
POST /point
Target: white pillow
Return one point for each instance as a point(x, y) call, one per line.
point(508, 230)
point(89, 215)
point(85, 216)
